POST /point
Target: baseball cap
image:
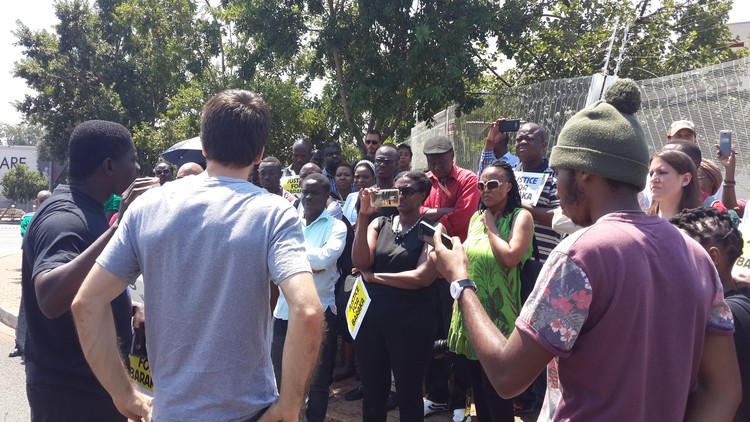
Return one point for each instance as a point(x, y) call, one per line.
point(437, 145)
point(681, 124)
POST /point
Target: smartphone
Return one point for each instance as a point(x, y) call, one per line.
point(510, 125)
point(384, 198)
point(427, 231)
point(725, 143)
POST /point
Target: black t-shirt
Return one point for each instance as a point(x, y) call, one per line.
point(739, 302)
point(393, 256)
point(63, 227)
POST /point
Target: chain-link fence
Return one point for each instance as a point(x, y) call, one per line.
point(549, 103)
point(714, 98)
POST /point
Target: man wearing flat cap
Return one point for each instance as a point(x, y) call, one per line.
point(454, 195)
point(453, 199)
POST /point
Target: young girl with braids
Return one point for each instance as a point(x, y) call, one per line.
point(718, 235)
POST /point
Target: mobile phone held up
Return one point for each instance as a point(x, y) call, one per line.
point(384, 198)
point(725, 143)
point(510, 126)
point(427, 231)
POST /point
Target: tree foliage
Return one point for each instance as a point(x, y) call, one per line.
point(21, 134)
point(152, 64)
point(569, 38)
point(383, 60)
point(21, 184)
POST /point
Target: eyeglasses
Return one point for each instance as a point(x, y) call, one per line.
point(371, 142)
point(490, 185)
point(383, 161)
point(165, 171)
point(407, 192)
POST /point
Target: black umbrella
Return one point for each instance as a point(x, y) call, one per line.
point(189, 151)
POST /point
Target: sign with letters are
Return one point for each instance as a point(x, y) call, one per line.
point(531, 186)
point(11, 156)
point(356, 308)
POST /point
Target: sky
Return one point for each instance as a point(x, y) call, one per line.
point(39, 14)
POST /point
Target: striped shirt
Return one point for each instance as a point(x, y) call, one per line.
point(546, 238)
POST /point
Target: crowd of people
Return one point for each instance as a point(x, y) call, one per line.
point(634, 314)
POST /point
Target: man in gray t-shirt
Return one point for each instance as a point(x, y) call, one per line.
point(208, 329)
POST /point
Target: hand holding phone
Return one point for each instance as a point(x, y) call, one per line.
point(427, 231)
point(509, 125)
point(725, 143)
point(384, 198)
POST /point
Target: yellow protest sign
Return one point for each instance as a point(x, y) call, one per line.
point(292, 185)
point(356, 308)
point(140, 372)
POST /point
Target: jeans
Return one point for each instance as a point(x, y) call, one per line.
point(317, 403)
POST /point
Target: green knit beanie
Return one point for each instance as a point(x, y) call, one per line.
point(606, 138)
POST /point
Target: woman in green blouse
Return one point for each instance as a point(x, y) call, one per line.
point(498, 243)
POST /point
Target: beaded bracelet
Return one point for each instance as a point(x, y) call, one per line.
point(730, 183)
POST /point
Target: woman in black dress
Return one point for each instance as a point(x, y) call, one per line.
point(398, 329)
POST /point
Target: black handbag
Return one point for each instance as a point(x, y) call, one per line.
point(530, 271)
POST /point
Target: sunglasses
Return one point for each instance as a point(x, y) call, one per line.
point(489, 185)
point(163, 171)
point(383, 161)
point(407, 192)
point(371, 142)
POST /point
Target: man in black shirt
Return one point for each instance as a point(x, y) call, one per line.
point(66, 235)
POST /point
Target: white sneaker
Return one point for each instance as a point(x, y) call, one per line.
point(431, 407)
point(459, 415)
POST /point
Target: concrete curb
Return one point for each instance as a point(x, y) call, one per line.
point(7, 318)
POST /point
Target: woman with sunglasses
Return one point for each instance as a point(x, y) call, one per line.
point(498, 243)
point(398, 329)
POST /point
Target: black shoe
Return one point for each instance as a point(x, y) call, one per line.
point(16, 352)
point(355, 393)
point(392, 402)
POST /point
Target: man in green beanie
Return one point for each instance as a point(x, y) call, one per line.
point(628, 312)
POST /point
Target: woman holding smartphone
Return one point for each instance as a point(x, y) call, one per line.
point(398, 329)
point(499, 241)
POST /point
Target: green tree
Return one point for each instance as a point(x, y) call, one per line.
point(150, 65)
point(21, 184)
point(383, 60)
point(115, 60)
point(21, 134)
point(569, 38)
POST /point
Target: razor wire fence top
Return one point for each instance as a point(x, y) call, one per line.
point(714, 98)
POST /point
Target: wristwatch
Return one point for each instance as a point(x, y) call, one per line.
point(458, 286)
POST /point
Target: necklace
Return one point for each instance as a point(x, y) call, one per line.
point(400, 232)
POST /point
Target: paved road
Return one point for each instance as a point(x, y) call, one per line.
point(10, 239)
point(13, 404)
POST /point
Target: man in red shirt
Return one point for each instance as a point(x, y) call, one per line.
point(454, 197)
